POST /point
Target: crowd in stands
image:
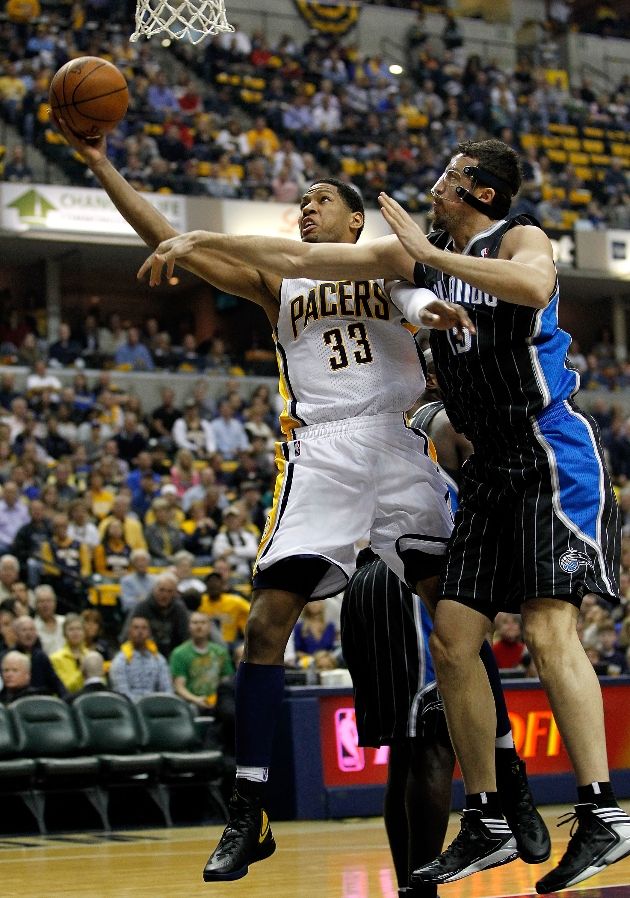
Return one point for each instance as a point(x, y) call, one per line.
point(250, 119)
point(121, 345)
point(127, 541)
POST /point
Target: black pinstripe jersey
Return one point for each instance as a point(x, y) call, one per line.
point(514, 366)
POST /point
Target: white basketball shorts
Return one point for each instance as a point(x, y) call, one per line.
point(342, 480)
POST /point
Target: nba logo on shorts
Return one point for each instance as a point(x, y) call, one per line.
point(296, 448)
point(350, 756)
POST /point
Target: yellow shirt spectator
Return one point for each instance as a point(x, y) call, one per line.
point(228, 610)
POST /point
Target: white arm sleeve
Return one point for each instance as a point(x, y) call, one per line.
point(411, 300)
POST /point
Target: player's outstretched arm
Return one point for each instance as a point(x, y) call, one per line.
point(423, 308)
point(380, 258)
point(524, 274)
point(152, 227)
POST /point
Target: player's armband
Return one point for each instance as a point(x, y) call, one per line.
point(411, 300)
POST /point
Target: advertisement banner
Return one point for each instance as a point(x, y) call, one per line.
point(45, 209)
point(535, 732)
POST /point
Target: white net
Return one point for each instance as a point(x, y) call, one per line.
point(190, 20)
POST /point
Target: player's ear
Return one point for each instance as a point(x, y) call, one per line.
point(357, 220)
point(486, 194)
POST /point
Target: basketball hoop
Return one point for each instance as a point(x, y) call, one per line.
point(190, 20)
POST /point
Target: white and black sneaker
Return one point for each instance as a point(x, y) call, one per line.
point(481, 843)
point(599, 837)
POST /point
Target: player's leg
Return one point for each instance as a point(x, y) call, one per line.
point(428, 798)
point(394, 809)
point(577, 523)
point(603, 834)
point(259, 693)
point(530, 830)
point(302, 555)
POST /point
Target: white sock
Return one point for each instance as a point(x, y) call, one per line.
point(254, 774)
point(504, 741)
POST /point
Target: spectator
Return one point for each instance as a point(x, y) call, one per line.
point(226, 609)
point(509, 648)
point(610, 655)
point(7, 632)
point(200, 529)
point(132, 528)
point(166, 613)
point(93, 673)
point(131, 439)
point(43, 675)
point(199, 665)
point(229, 433)
point(138, 668)
point(163, 538)
point(184, 474)
point(39, 383)
point(67, 660)
point(193, 432)
point(163, 417)
point(313, 633)
point(137, 585)
point(113, 553)
point(13, 515)
point(48, 623)
point(9, 575)
point(95, 633)
point(16, 678)
point(17, 169)
point(186, 579)
point(81, 528)
point(133, 354)
point(66, 564)
point(64, 351)
point(235, 543)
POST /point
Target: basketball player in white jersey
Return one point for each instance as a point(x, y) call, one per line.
point(349, 369)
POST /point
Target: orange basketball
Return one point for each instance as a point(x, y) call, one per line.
point(90, 94)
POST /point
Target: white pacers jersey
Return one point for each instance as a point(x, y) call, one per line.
point(344, 351)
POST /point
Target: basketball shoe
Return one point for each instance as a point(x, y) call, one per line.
point(601, 837)
point(247, 838)
point(529, 829)
point(481, 843)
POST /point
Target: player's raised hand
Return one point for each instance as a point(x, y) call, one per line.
point(92, 150)
point(446, 315)
point(165, 255)
point(405, 228)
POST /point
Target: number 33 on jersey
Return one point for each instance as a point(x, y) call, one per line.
point(344, 351)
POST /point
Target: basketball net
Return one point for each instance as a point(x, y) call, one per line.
point(190, 20)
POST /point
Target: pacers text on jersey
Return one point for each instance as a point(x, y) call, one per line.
point(354, 299)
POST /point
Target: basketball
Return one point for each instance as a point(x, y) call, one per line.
point(90, 94)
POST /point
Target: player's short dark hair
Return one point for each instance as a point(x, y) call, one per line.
point(351, 197)
point(496, 157)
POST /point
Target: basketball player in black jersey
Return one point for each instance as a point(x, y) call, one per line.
point(538, 526)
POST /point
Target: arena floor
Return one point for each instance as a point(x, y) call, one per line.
point(333, 859)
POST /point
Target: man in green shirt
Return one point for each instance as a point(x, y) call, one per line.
point(199, 665)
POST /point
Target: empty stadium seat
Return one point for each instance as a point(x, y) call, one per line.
point(46, 732)
point(110, 728)
point(17, 773)
point(171, 731)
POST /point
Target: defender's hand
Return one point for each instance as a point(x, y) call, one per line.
point(405, 228)
point(166, 254)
